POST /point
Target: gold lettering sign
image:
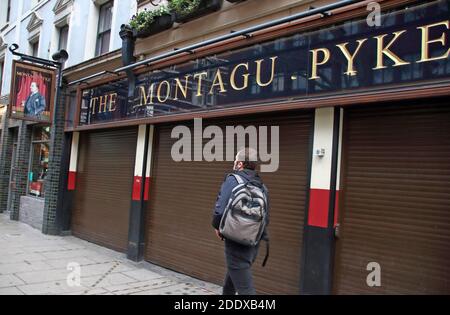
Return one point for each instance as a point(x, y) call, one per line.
point(351, 57)
point(426, 42)
point(200, 77)
point(315, 61)
point(258, 72)
point(167, 89)
point(146, 97)
point(383, 50)
point(244, 76)
point(218, 81)
point(179, 86)
point(106, 103)
point(93, 104)
point(112, 102)
point(335, 58)
point(103, 103)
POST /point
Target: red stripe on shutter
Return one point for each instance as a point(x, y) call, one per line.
point(147, 189)
point(336, 209)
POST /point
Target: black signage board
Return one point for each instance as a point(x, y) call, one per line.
point(410, 45)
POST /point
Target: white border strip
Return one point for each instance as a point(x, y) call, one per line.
point(140, 147)
point(150, 152)
point(323, 139)
point(74, 152)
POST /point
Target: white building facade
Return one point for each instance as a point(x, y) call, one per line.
point(85, 28)
point(88, 30)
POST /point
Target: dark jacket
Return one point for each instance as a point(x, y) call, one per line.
point(35, 105)
point(238, 256)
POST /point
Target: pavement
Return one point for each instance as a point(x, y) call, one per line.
point(35, 264)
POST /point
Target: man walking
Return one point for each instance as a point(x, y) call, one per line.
point(239, 257)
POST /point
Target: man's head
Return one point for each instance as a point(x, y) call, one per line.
point(246, 159)
point(34, 87)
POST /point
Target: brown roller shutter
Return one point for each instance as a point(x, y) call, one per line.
point(396, 206)
point(179, 232)
point(100, 212)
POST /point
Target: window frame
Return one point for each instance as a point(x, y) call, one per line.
point(30, 161)
point(60, 32)
point(34, 45)
point(99, 49)
point(8, 11)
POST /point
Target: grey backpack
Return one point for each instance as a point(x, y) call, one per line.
point(245, 217)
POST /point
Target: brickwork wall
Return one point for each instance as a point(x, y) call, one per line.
point(5, 164)
point(23, 159)
point(31, 211)
point(53, 183)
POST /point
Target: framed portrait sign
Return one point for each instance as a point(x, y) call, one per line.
point(32, 92)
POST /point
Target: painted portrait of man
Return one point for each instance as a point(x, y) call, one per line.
point(32, 92)
point(35, 103)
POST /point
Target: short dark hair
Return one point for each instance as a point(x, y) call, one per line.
point(249, 158)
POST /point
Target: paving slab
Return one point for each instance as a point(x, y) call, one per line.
point(10, 281)
point(35, 264)
point(11, 291)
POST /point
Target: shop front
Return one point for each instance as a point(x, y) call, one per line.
point(100, 210)
point(395, 207)
point(353, 120)
point(25, 159)
point(178, 224)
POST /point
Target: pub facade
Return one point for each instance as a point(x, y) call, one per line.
point(360, 195)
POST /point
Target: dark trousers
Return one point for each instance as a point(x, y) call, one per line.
point(240, 281)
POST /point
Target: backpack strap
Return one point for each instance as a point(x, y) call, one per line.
point(238, 178)
point(267, 254)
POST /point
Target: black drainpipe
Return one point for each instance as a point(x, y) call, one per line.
point(136, 226)
point(128, 43)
